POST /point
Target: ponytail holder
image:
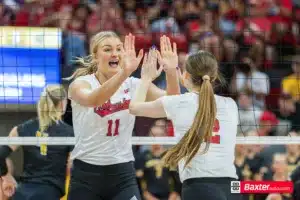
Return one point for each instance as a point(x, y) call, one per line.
point(205, 78)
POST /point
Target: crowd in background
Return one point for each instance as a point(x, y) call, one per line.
point(256, 42)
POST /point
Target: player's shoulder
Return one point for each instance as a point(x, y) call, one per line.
point(288, 78)
point(85, 77)
point(31, 122)
point(225, 102)
point(88, 79)
point(28, 126)
point(227, 108)
point(180, 99)
point(65, 128)
point(65, 125)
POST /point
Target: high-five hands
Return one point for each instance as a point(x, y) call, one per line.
point(167, 57)
point(149, 67)
point(129, 60)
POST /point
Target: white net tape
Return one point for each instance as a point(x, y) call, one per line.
point(254, 140)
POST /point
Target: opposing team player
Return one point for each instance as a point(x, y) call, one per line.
point(45, 167)
point(206, 125)
point(100, 95)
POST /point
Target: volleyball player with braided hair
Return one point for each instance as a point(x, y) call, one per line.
point(44, 172)
point(204, 123)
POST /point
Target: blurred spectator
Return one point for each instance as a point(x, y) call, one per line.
point(293, 156)
point(280, 171)
point(6, 14)
point(274, 197)
point(267, 124)
point(248, 79)
point(289, 103)
point(242, 163)
point(291, 83)
point(106, 16)
point(73, 42)
point(295, 178)
point(165, 24)
point(279, 167)
point(249, 114)
point(159, 128)
point(157, 182)
point(203, 35)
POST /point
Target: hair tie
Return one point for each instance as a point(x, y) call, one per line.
point(205, 78)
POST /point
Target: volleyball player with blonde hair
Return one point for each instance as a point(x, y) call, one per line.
point(44, 172)
point(100, 96)
point(204, 123)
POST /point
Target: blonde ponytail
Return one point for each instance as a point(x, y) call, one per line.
point(202, 127)
point(88, 66)
point(47, 106)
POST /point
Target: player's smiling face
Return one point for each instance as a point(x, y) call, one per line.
point(109, 56)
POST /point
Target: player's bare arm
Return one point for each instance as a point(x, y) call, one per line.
point(168, 58)
point(138, 106)
point(81, 92)
point(8, 182)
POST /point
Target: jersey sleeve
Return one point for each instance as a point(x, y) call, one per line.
point(80, 78)
point(171, 105)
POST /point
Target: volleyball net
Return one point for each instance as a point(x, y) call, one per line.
point(250, 140)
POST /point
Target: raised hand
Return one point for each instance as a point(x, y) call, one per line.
point(149, 67)
point(167, 57)
point(129, 60)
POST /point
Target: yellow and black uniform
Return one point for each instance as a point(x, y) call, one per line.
point(156, 179)
point(67, 184)
point(44, 172)
point(291, 86)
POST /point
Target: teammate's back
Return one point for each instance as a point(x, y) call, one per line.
point(206, 127)
point(218, 160)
